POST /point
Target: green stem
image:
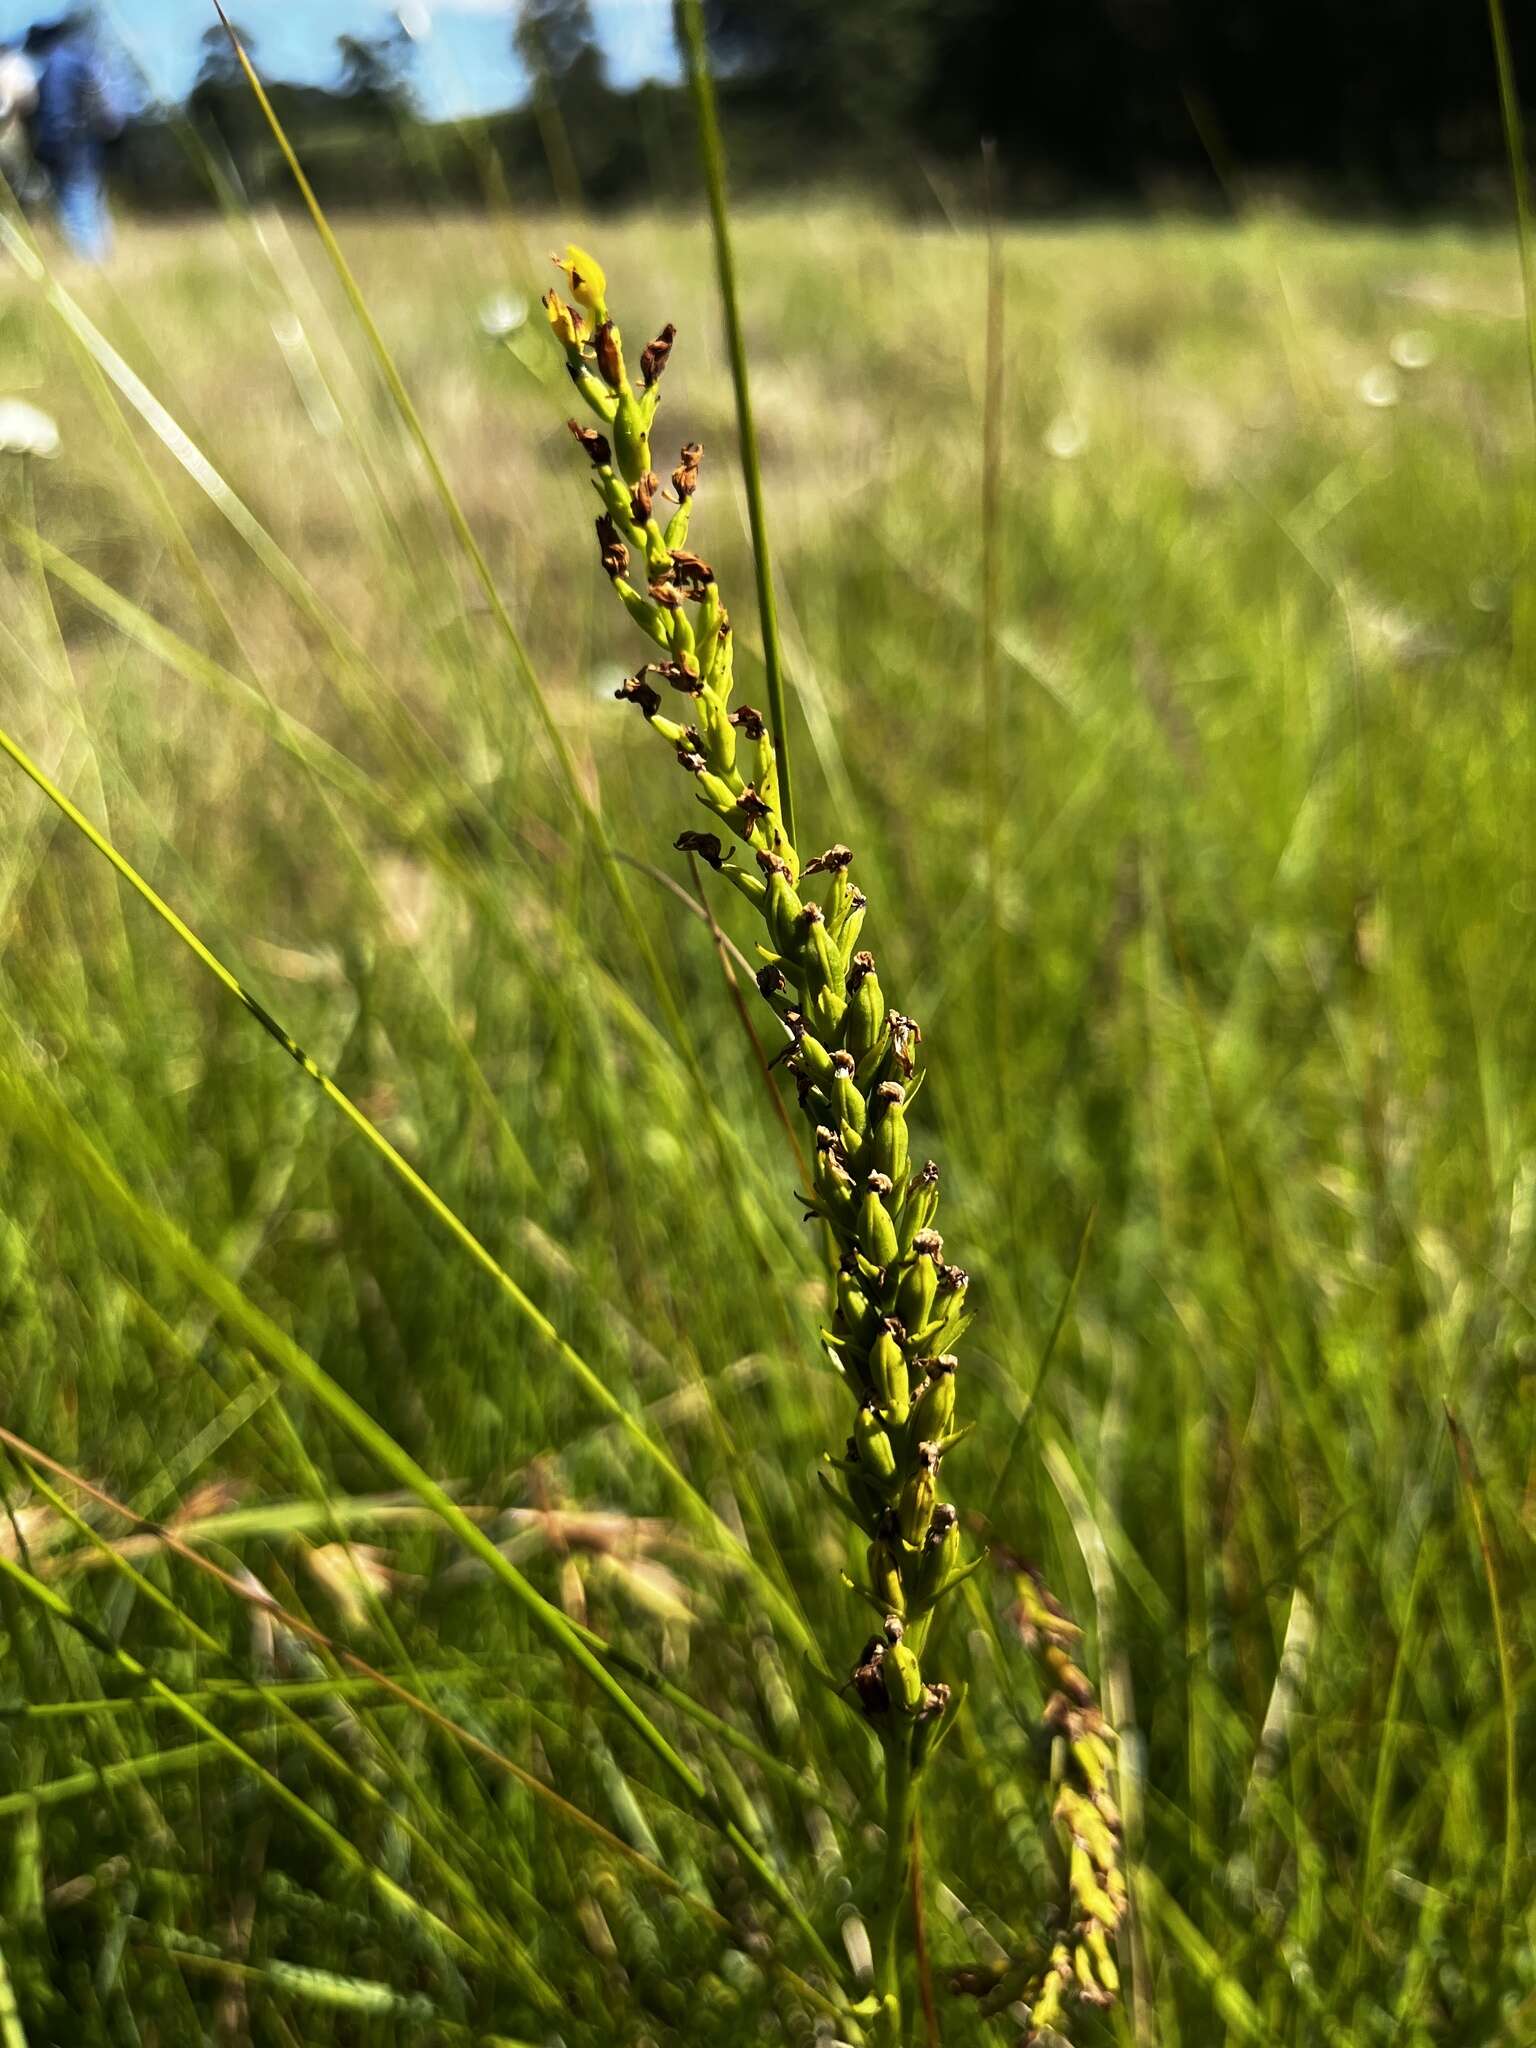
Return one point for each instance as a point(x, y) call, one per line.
point(900, 1812)
point(701, 85)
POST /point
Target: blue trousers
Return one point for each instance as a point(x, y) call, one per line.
point(80, 202)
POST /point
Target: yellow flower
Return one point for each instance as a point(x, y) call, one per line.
point(568, 326)
point(588, 284)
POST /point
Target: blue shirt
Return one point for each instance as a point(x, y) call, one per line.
point(77, 110)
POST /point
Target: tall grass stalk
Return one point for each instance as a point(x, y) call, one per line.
point(897, 1306)
point(701, 87)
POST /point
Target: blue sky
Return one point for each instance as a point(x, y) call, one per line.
point(463, 63)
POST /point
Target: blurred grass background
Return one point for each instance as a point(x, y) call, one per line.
point(1246, 1000)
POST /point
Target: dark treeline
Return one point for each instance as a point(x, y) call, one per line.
point(1346, 103)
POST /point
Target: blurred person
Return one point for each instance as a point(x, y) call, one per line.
point(77, 114)
point(18, 98)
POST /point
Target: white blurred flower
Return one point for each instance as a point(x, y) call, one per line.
point(503, 314)
point(26, 1529)
point(1380, 386)
point(1413, 349)
point(26, 431)
point(356, 1575)
point(1064, 438)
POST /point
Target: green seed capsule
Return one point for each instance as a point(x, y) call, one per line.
point(864, 1025)
point(846, 927)
point(630, 444)
point(876, 1454)
point(826, 1009)
point(934, 1409)
point(939, 1557)
point(834, 1183)
point(930, 1723)
point(855, 1306)
point(877, 1233)
point(891, 1149)
point(903, 1673)
point(921, 1205)
point(718, 733)
point(846, 1099)
point(885, 1567)
point(814, 1056)
point(646, 615)
point(784, 906)
point(914, 1296)
point(817, 950)
point(892, 1383)
point(919, 1496)
point(869, 1501)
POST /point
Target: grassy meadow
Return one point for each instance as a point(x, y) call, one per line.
point(1213, 889)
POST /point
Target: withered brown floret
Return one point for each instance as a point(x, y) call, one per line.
point(610, 363)
point(615, 555)
point(595, 444)
point(685, 478)
point(705, 844)
point(653, 357)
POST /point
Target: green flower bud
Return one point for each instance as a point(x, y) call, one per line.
point(919, 1495)
point(877, 1233)
point(892, 1383)
point(934, 1409)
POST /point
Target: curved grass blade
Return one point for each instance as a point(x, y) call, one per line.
point(423, 1192)
point(52, 1124)
point(456, 1880)
point(1477, 1506)
point(346, 1852)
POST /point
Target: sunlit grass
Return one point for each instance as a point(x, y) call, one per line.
point(1262, 754)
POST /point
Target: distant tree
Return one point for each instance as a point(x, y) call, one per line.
point(219, 65)
point(848, 79)
point(557, 45)
point(221, 104)
point(556, 40)
point(373, 74)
